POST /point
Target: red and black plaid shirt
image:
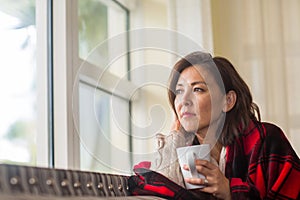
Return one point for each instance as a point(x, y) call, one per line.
point(260, 164)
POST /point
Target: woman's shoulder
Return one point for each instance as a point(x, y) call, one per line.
point(271, 126)
point(258, 133)
point(272, 130)
point(262, 129)
point(276, 141)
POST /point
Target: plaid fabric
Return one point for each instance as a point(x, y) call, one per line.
point(147, 182)
point(261, 164)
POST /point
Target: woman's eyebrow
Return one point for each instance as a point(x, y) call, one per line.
point(193, 83)
point(198, 82)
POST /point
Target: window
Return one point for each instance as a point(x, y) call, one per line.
point(104, 125)
point(92, 87)
point(23, 82)
point(99, 23)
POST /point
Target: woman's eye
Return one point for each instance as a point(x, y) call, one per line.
point(198, 89)
point(178, 91)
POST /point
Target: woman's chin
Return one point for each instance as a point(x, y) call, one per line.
point(190, 125)
point(190, 129)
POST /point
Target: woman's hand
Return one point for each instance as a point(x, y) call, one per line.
point(216, 184)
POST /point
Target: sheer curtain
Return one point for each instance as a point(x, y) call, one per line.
point(192, 19)
point(262, 38)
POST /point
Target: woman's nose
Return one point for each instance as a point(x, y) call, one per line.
point(186, 99)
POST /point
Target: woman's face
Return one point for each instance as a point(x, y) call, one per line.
point(193, 101)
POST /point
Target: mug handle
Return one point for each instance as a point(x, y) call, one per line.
point(190, 157)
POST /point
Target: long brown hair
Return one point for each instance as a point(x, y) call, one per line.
point(245, 110)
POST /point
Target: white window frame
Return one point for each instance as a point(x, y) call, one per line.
point(66, 100)
point(42, 147)
point(64, 68)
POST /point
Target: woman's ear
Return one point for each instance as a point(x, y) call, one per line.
point(230, 101)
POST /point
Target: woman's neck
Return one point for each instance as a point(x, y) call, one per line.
point(215, 145)
point(216, 151)
point(200, 138)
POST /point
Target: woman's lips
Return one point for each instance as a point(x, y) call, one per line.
point(187, 114)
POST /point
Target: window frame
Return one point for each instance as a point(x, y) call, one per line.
point(44, 135)
point(66, 65)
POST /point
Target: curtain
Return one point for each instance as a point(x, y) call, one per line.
point(191, 18)
point(262, 38)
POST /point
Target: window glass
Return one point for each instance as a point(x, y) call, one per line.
point(104, 128)
point(18, 83)
point(101, 24)
point(104, 124)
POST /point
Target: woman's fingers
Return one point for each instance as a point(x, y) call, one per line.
point(197, 181)
point(203, 167)
point(205, 164)
point(218, 188)
point(214, 181)
point(186, 167)
point(212, 190)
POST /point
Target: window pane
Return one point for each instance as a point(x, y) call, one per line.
point(104, 128)
point(18, 85)
point(102, 29)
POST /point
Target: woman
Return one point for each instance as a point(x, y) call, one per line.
point(254, 160)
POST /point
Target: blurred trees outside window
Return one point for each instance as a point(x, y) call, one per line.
point(18, 119)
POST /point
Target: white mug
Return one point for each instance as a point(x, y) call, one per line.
point(187, 155)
